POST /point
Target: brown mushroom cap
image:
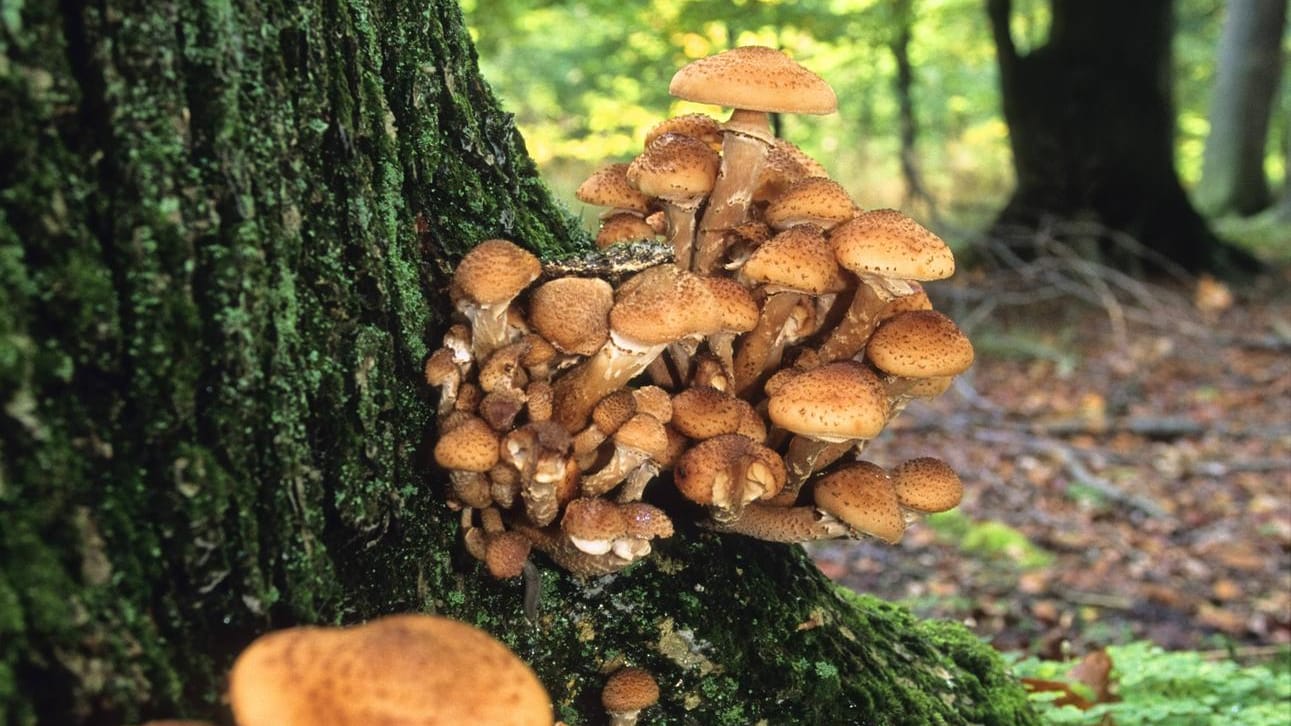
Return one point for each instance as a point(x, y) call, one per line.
point(573, 313)
point(623, 228)
point(495, 271)
point(608, 187)
point(702, 412)
point(928, 485)
point(629, 689)
point(835, 402)
point(814, 200)
point(920, 344)
point(705, 474)
point(695, 125)
point(675, 168)
point(888, 243)
point(644, 433)
point(664, 304)
point(654, 401)
point(754, 78)
point(593, 518)
point(797, 259)
point(469, 446)
point(739, 309)
point(862, 496)
point(398, 669)
point(505, 554)
point(645, 520)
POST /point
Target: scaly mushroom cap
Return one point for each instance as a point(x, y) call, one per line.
point(494, 272)
point(469, 446)
point(664, 304)
point(862, 496)
point(654, 401)
point(695, 125)
point(608, 187)
point(917, 300)
point(928, 485)
point(441, 367)
point(920, 344)
point(702, 412)
point(814, 200)
point(645, 520)
point(754, 78)
point(739, 309)
point(614, 410)
point(628, 691)
point(417, 669)
point(706, 473)
point(888, 243)
point(835, 402)
point(797, 259)
point(644, 433)
point(505, 554)
point(591, 520)
point(674, 168)
point(573, 313)
point(623, 228)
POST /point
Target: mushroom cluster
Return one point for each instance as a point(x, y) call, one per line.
point(788, 330)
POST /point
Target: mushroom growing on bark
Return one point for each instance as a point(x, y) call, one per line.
point(626, 693)
point(753, 81)
point(679, 171)
point(407, 669)
point(485, 282)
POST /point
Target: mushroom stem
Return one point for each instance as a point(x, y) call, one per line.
point(745, 143)
point(863, 315)
point(681, 229)
point(806, 456)
point(577, 392)
point(762, 347)
point(783, 524)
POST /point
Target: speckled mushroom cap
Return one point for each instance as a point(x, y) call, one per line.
point(797, 259)
point(927, 484)
point(920, 344)
point(645, 520)
point(888, 243)
point(629, 689)
point(643, 432)
point(695, 125)
point(495, 271)
point(573, 313)
point(702, 412)
point(675, 168)
point(862, 496)
point(468, 446)
point(704, 473)
point(664, 304)
point(787, 148)
point(739, 309)
point(814, 200)
point(835, 402)
point(623, 227)
point(614, 410)
point(593, 518)
point(654, 401)
point(505, 554)
point(608, 187)
point(418, 669)
point(756, 78)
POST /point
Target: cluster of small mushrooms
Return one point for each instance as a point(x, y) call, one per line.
point(787, 330)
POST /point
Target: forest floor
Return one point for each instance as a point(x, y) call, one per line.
point(1127, 465)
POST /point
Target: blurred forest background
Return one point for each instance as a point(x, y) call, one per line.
point(1123, 436)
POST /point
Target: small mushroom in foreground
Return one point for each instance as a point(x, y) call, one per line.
point(485, 282)
point(627, 692)
point(927, 485)
point(408, 669)
point(862, 496)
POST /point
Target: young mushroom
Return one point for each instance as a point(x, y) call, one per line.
point(404, 669)
point(726, 473)
point(679, 171)
point(754, 81)
point(485, 282)
point(862, 496)
point(626, 693)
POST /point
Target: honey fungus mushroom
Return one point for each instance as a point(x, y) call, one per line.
point(627, 692)
point(753, 81)
point(418, 669)
point(485, 282)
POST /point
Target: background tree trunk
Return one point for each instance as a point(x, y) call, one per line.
point(916, 191)
point(1091, 126)
point(1248, 68)
point(225, 232)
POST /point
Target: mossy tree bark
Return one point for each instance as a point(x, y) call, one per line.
point(225, 232)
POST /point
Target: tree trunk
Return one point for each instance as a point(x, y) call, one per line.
point(1248, 69)
point(915, 190)
point(1091, 125)
point(225, 233)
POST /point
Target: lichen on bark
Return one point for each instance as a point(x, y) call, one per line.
point(225, 233)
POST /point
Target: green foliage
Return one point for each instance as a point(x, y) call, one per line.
point(989, 539)
point(1160, 687)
